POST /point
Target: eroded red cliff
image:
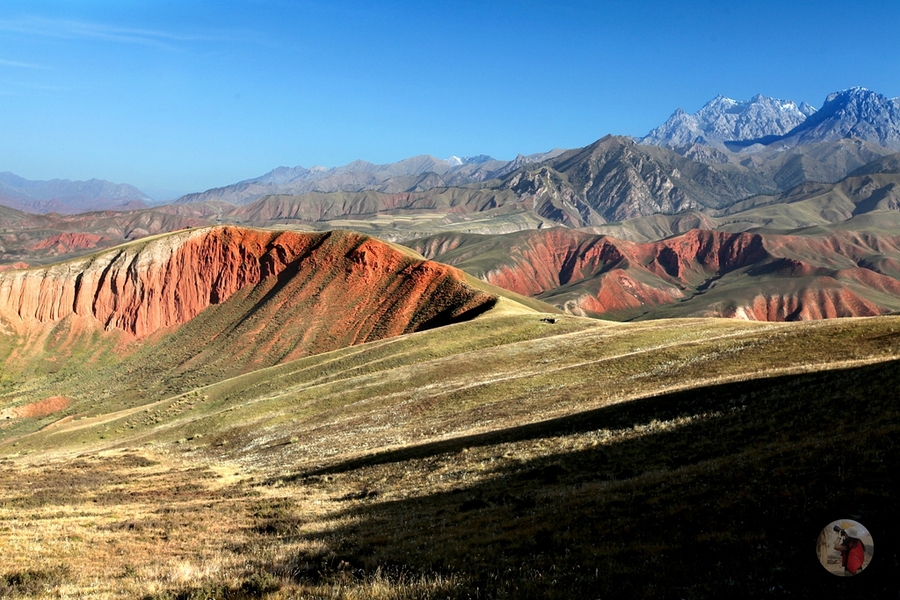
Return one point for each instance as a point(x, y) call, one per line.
point(160, 283)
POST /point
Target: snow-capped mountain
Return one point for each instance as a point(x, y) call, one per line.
point(853, 113)
point(761, 123)
point(724, 119)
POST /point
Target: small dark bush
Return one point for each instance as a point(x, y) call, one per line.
point(31, 582)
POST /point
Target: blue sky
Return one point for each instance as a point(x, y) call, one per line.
point(192, 95)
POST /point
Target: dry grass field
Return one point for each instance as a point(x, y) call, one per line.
point(518, 455)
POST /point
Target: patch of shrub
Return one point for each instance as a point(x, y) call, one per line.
point(31, 582)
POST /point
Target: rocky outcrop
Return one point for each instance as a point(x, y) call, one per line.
point(144, 287)
point(809, 304)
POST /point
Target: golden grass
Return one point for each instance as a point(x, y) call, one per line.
point(506, 457)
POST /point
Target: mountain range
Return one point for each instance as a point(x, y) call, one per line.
point(722, 120)
point(720, 170)
point(723, 154)
point(419, 173)
point(770, 144)
point(68, 197)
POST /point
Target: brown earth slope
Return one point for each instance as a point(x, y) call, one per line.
point(754, 276)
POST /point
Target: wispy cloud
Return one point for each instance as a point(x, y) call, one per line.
point(20, 65)
point(66, 29)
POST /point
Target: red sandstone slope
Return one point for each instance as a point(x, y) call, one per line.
point(351, 288)
point(711, 273)
point(63, 243)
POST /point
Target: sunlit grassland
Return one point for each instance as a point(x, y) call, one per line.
point(516, 455)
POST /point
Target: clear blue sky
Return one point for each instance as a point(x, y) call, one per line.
point(189, 95)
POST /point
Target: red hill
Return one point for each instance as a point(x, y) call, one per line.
point(301, 292)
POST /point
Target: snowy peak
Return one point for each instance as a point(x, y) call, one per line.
point(724, 123)
point(853, 113)
point(724, 119)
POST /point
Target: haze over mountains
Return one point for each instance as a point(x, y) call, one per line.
point(415, 174)
point(68, 197)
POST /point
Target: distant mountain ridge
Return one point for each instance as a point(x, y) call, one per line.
point(853, 113)
point(415, 174)
point(68, 197)
point(720, 155)
point(727, 153)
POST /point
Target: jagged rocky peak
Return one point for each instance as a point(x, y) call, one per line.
point(724, 119)
point(854, 113)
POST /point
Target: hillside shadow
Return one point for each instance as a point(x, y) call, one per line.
point(448, 316)
point(665, 407)
point(728, 502)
